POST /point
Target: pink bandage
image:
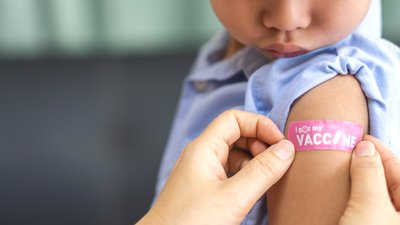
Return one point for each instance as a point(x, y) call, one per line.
point(324, 134)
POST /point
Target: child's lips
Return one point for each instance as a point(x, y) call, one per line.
point(285, 50)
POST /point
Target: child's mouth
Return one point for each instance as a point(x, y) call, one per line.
point(284, 50)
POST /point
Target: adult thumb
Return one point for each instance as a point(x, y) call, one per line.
point(263, 171)
point(368, 183)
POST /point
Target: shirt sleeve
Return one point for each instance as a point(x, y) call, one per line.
point(273, 88)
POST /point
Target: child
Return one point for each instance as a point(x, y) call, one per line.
point(291, 61)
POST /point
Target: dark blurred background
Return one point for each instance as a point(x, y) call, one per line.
point(88, 90)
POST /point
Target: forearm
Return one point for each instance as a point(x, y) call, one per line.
point(314, 191)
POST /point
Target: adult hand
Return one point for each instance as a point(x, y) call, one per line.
point(374, 199)
point(199, 191)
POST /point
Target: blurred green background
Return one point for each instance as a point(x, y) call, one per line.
point(118, 27)
point(81, 27)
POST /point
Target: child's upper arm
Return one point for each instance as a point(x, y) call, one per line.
point(340, 98)
point(316, 188)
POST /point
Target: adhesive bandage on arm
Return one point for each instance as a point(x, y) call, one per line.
point(324, 134)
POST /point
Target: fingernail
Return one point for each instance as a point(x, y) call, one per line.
point(284, 150)
point(244, 163)
point(365, 148)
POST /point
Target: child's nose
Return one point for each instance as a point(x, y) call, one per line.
point(286, 15)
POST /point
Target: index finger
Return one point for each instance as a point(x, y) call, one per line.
point(229, 126)
point(391, 165)
point(233, 124)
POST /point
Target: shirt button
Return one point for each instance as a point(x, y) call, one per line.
point(200, 86)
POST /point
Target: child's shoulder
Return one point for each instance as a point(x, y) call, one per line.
point(378, 54)
point(350, 56)
point(374, 48)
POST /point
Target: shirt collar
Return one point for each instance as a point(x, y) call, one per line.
point(208, 65)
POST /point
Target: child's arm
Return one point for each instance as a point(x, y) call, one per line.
point(316, 188)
